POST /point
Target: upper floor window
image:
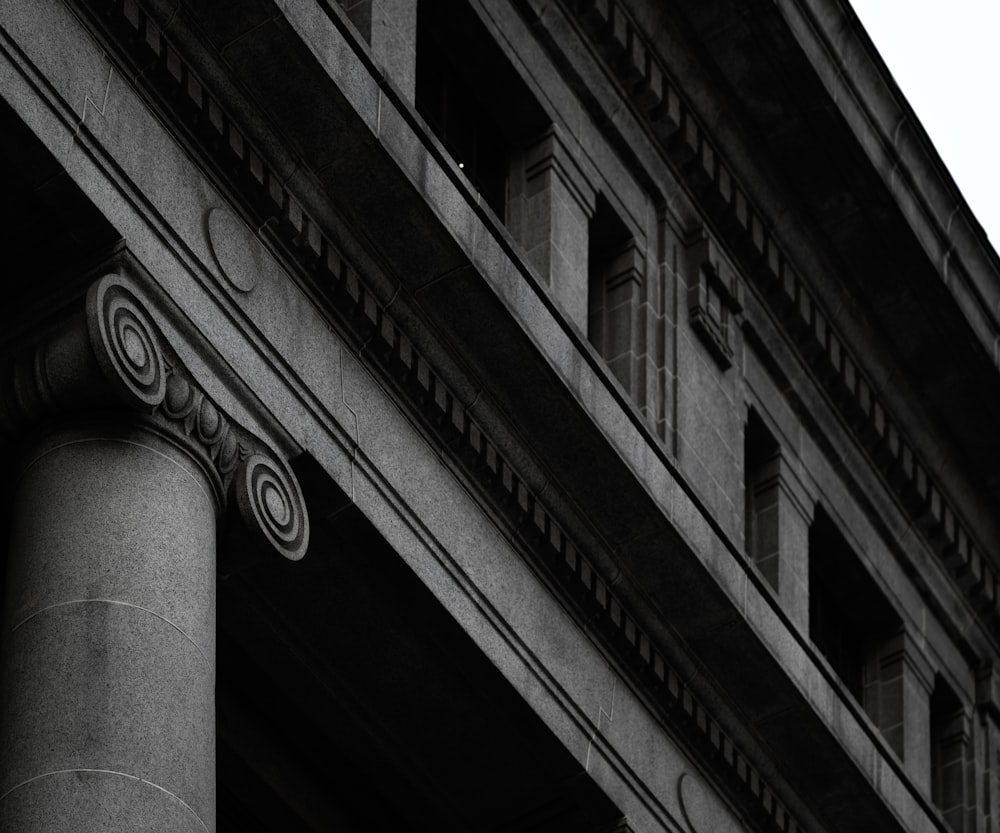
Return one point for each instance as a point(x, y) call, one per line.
point(614, 280)
point(950, 740)
point(763, 517)
point(471, 97)
point(849, 617)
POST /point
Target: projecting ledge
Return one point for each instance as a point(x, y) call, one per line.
point(883, 122)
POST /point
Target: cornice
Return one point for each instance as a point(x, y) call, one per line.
point(109, 359)
point(633, 61)
point(856, 77)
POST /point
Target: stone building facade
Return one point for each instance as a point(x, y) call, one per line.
point(501, 415)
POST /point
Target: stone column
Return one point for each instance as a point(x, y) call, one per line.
point(108, 658)
point(109, 649)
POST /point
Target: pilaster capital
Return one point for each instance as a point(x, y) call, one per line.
point(550, 154)
point(111, 356)
point(782, 470)
point(903, 647)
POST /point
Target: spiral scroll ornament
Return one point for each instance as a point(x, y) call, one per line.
point(271, 505)
point(126, 343)
point(145, 372)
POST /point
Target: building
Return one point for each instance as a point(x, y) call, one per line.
point(496, 415)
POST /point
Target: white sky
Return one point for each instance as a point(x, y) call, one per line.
point(945, 57)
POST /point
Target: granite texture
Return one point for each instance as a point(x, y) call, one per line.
point(109, 638)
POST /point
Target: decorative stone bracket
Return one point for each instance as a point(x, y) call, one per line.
point(111, 355)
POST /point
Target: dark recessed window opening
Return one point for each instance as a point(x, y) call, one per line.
point(609, 244)
point(471, 97)
point(849, 618)
point(948, 750)
point(760, 450)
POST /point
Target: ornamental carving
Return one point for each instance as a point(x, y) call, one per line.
point(126, 343)
point(715, 299)
point(269, 495)
point(702, 810)
point(111, 355)
point(196, 416)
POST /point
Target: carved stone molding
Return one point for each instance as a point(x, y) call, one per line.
point(715, 299)
point(235, 248)
point(110, 357)
point(549, 153)
point(701, 811)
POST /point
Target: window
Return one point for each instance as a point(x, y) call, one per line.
point(762, 532)
point(614, 283)
point(949, 747)
point(471, 97)
point(850, 621)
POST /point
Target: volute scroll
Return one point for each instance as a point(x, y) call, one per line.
point(111, 356)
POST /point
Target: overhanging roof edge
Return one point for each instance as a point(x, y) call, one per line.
point(886, 126)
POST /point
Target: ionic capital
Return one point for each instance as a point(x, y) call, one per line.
point(111, 356)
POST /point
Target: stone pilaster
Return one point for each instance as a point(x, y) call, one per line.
point(549, 209)
point(108, 715)
point(954, 788)
point(898, 685)
point(988, 763)
point(780, 512)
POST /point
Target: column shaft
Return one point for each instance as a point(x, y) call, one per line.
point(108, 716)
